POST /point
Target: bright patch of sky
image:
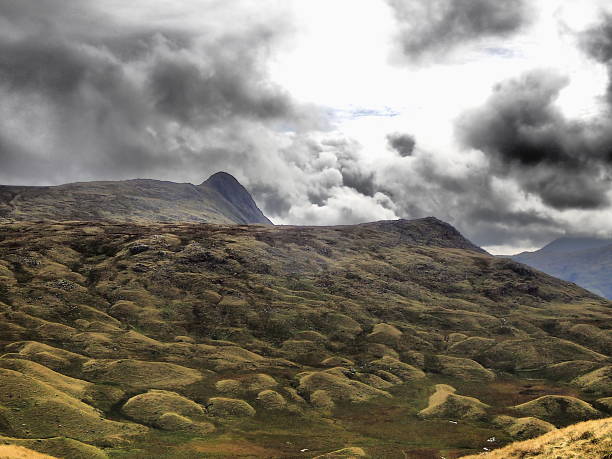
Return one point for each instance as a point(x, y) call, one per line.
point(341, 59)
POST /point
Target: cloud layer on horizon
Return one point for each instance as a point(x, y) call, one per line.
point(89, 95)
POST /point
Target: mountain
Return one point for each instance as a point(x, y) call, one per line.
point(585, 261)
point(186, 340)
point(220, 199)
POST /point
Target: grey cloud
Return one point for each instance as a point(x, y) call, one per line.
point(525, 136)
point(435, 27)
point(597, 41)
point(354, 174)
point(104, 98)
point(223, 84)
point(402, 143)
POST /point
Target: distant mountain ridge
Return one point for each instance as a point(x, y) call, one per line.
point(584, 261)
point(220, 199)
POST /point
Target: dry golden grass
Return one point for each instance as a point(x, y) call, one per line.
point(60, 447)
point(19, 452)
point(586, 440)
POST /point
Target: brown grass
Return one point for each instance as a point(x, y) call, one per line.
point(586, 440)
point(19, 452)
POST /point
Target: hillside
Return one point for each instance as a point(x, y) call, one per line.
point(585, 261)
point(586, 440)
point(220, 199)
point(396, 339)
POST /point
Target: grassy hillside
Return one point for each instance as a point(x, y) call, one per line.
point(587, 262)
point(220, 199)
point(398, 339)
point(586, 440)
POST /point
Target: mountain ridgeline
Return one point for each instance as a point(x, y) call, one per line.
point(585, 261)
point(220, 199)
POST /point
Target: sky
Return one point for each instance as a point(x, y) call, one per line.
point(493, 115)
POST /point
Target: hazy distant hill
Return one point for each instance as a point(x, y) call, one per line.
point(220, 199)
point(585, 261)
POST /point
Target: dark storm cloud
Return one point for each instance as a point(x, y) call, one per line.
point(224, 84)
point(435, 27)
point(402, 143)
point(101, 97)
point(426, 186)
point(525, 136)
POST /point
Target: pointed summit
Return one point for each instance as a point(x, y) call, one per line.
point(227, 186)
